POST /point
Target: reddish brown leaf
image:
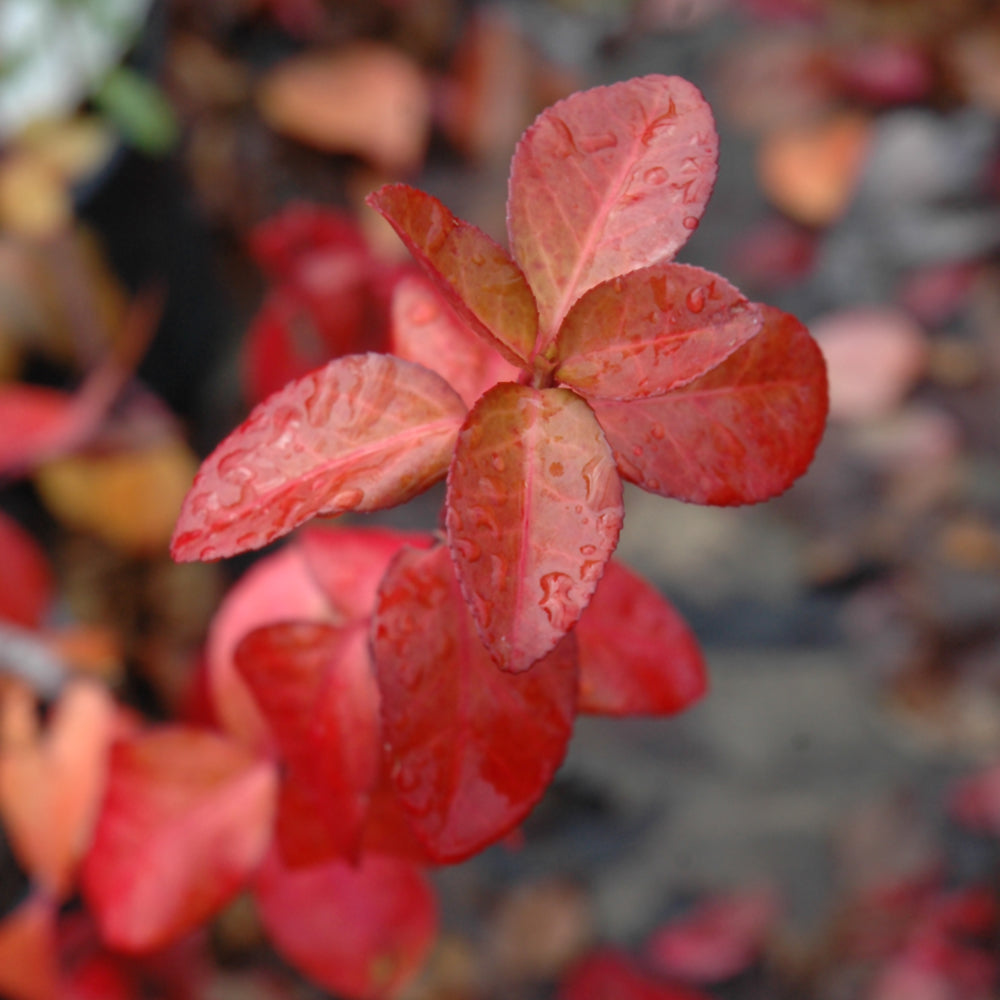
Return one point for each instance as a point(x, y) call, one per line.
point(51, 785)
point(650, 331)
point(315, 685)
point(637, 655)
point(278, 588)
point(607, 973)
point(186, 819)
point(740, 434)
point(25, 577)
point(720, 938)
point(28, 951)
point(362, 932)
point(365, 432)
point(471, 748)
point(607, 181)
point(425, 330)
point(476, 275)
point(534, 508)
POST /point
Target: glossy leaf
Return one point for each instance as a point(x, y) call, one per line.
point(316, 687)
point(651, 331)
point(637, 655)
point(51, 785)
point(534, 508)
point(280, 587)
point(607, 181)
point(365, 432)
point(607, 973)
point(28, 960)
point(362, 931)
point(471, 748)
point(186, 819)
point(476, 275)
point(25, 577)
point(740, 434)
point(427, 331)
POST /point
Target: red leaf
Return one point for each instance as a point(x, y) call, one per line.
point(280, 587)
point(425, 330)
point(38, 423)
point(607, 974)
point(28, 951)
point(721, 938)
point(607, 181)
point(471, 748)
point(365, 432)
point(740, 434)
point(651, 331)
point(362, 932)
point(388, 831)
point(316, 686)
point(637, 655)
point(186, 819)
point(348, 564)
point(51, 785)
point(476, 275)
point(534, 508)
point(25, 576)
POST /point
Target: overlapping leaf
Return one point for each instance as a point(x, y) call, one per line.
point(360, 931)
point(606, 181)
point(471, 748)
point(186, 818)
point(315, 685)
point(365, 432)
point(534, 511)
point(637, 655)
point(475, 274)
point(739, 434)
point(650, 331)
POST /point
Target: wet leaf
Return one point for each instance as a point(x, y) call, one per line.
point(366, 99)
point(650, 331)
point(475, 275)
point(471, 748)
point(637, 655)
point(315, 685)
point(740, 434)
point(534, 508)
point(722, 937)
point(606, 181)
point(278, 588)
point(607, 973)
point(365, 432)
point(51, 784)
point(361, 931)
point(186, 819)
point(426, 331)
point(28, 962)
point(25, 577)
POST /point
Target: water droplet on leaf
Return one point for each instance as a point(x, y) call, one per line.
point(557, 602)
point(696, 299)
point(690, 223)
point(655, 176)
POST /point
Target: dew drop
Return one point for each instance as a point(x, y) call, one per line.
point(406, 777)
point(690, 223)
point(423, 313)
point(597, 143)
point(661, 292)
point(468, 549)
point(657, 433)
point(563, 144)
point(347, 499)
point(590, 571)
point(696, 299)
point(655, 176)
point(556, 469)
point(587, 550)
point(557, 602)
point(478, 259)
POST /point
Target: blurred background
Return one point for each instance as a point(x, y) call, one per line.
point(182, 229)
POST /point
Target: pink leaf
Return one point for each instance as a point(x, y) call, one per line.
point(740, 434)
point(186, 818)
point(362, 932)
point(25, 577)
point(607, 181)
point(534, 508)
point(637, 655)
point(721, 938)
point(280, 587)
point(476, 275)
point(425, 330)
point(652, 330)
point(365, 432)
point(607, 974)
point(471, 748)
point(316, 686)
